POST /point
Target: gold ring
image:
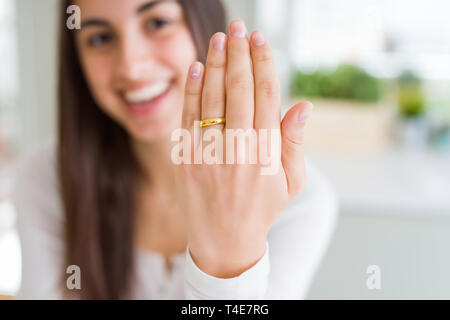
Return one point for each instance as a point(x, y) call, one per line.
point(212, 122)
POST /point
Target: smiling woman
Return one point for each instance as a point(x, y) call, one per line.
point(108, 198)
point(119, 48)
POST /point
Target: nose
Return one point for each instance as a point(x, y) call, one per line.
point(134, 59)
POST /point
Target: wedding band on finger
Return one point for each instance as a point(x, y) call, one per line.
point(212, 122)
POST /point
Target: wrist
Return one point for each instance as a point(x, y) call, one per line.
point(228, 262)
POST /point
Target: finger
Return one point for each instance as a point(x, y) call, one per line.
point(193, 96)
point(239, 83)
point(213, 96)
point(267, 85)
point(292, 156)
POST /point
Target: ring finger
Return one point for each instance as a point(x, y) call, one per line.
point(213, 98)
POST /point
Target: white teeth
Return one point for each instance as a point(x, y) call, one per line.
point(148, 93)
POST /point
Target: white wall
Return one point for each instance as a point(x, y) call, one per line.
point(37, 33)
point(412, 252)
point(239, 9)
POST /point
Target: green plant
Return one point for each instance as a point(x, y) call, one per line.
point(345, 82)
point(410, 99)
point(411, 102)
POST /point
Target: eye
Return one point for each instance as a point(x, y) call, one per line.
point(99, 39)
point(157, 23)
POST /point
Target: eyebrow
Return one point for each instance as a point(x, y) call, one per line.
point(95, 22)
point(149, 5)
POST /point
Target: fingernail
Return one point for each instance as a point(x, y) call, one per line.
point(304, 115)
point(238, 29)
point(196, 70)
point(258, 39)
point(219, 42)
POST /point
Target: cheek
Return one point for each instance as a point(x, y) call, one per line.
point(181, 52)
point(98, 73)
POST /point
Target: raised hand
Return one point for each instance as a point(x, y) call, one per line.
point(229, 208)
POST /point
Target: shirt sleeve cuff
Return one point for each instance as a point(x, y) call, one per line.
point(251, 284)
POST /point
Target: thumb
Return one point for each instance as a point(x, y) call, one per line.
point(292, 154)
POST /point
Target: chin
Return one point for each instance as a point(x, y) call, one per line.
point(157, 129)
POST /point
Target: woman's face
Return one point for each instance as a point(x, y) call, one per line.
point(135, 55)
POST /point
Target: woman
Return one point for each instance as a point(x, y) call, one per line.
point(110, 198)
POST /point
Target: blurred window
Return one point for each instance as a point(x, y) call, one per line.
point(383, 36)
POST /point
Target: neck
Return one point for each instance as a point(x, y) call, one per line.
point(159, 227)
point(154, 158)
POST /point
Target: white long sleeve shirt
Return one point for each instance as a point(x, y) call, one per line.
point(296, 243)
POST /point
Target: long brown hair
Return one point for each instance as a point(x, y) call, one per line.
point(98, 172)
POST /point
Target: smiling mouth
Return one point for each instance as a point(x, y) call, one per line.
point(146, 99)
point(147, 94)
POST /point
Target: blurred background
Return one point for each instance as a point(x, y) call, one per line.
point(378, 72)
